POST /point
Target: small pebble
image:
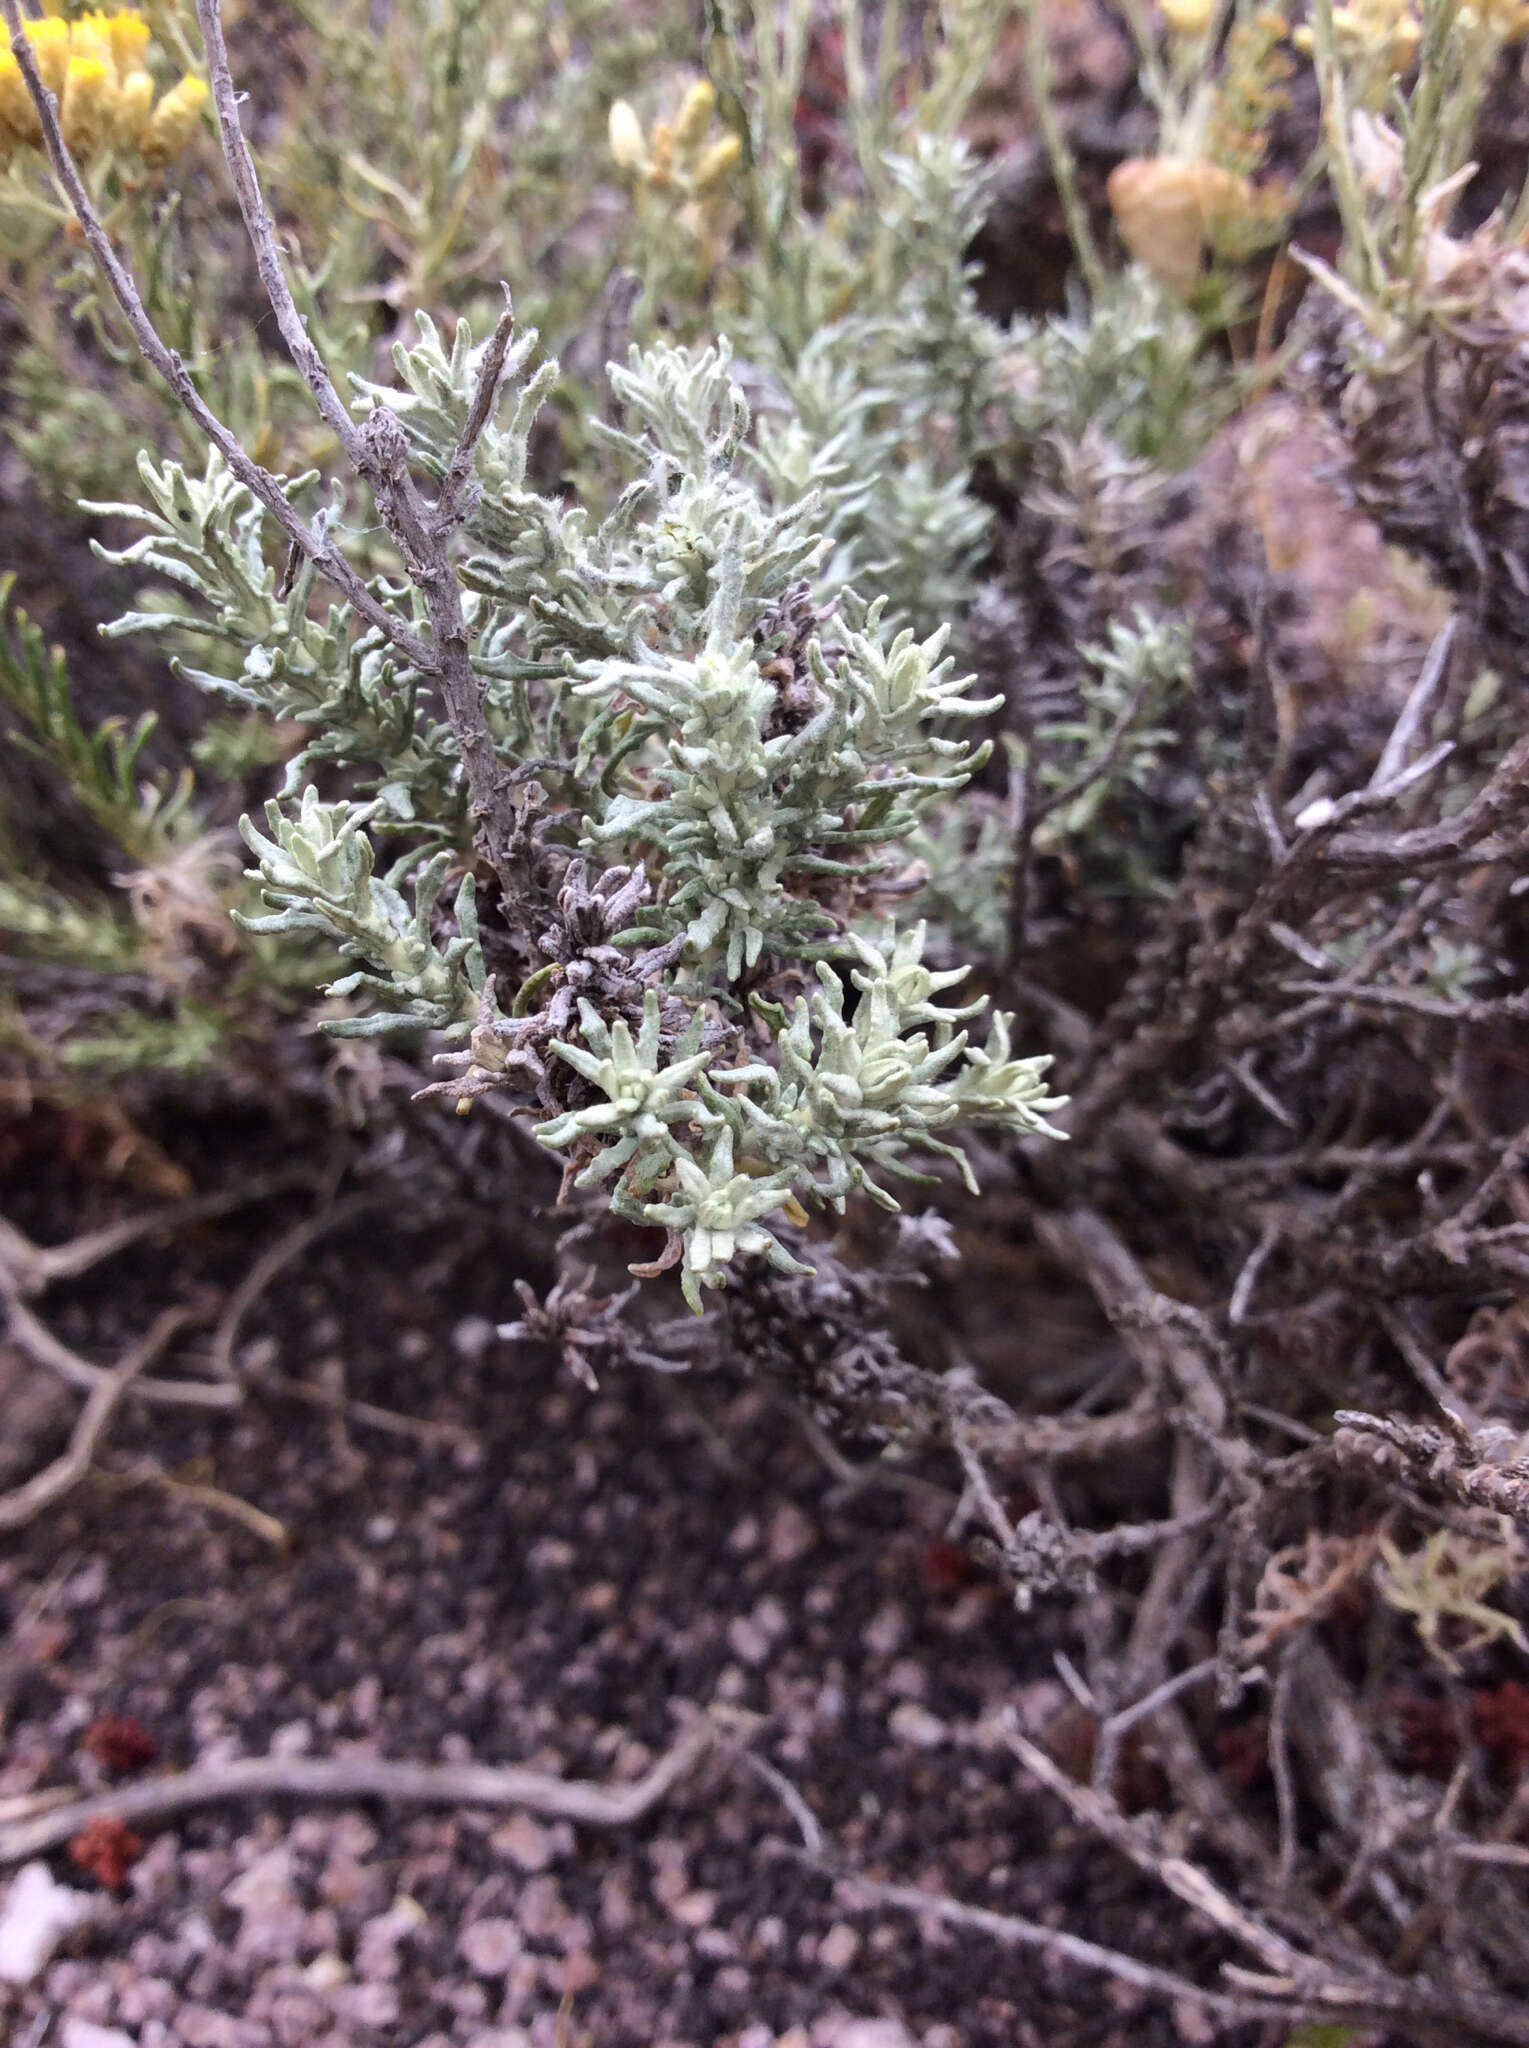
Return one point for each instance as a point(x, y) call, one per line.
point(378, 1943)
point(884, 1633)
point(791, 1535)
point(37, 1916)
point(367, 2005)
point(839, 1947)
point(489, 1946)
point(747, 1640)
point(527, 1844)
point(266, 1886)
point(542, 1913)
point(915, 1725)
point(472, 1337)
point(77, 2033)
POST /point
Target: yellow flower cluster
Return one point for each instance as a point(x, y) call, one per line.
point(1371, 33)
point(679, 157)
point(1384, 35)
point(96, 67)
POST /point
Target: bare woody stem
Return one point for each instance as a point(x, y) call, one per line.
point(1325, 863)
point(377, 450)
point(368, 1777)
point(65, 1473)
point(170, 367)
point(423, 545)
point(261, 229)
point(453, 503)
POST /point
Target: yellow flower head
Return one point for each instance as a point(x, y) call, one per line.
point(1189, 17)
point(50, 48)
point(716, 163)
point(1170, 211)
point(129, 34)
point(1505, 21)
point(1375, 35)
point(135, 102)
point(627, 145)
point(678, 157)
point(90, 37)
point(174, 121)
point(695, 115)
point(86, 108)
point(97, 67)
point(661, 163)
point(18, 116)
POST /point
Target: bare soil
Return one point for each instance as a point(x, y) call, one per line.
point(553, 1589)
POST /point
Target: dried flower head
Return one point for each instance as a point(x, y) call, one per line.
point(1170, 213)
point(119, 1743)
point(107, 1849)
point(1301, 1583)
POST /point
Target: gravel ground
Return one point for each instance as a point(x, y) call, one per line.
point(553, 1592)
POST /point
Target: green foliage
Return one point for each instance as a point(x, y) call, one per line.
point(966, 853)
point(877, 366)
point(712, 668)
point(696, 704)
point(415, 161)
point(144, 818)
point(1112, 744)
point(69, 432)
point(1446, 1581)
point(46, 924)
point(888, 408)
point(641, 771)
point(190, 1040)
point(1396, 179)
point(1130, 366)
point(457, 139)
point(1444, 966)
point(261, 648)
point(746, 813)
point(843, 1101)
point(160, 929)
point(315, 870)
point(716, 672)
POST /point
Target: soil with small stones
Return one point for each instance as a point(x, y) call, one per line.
point(554, 1591)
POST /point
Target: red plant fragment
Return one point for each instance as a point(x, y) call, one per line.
point(817, 118)
point(1426, 1733)
point(948, 1568)
point(1242, 1751)
point(1500, 1723)
point(119, 1743)
point(1072, 1735)
point(108, 1849)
